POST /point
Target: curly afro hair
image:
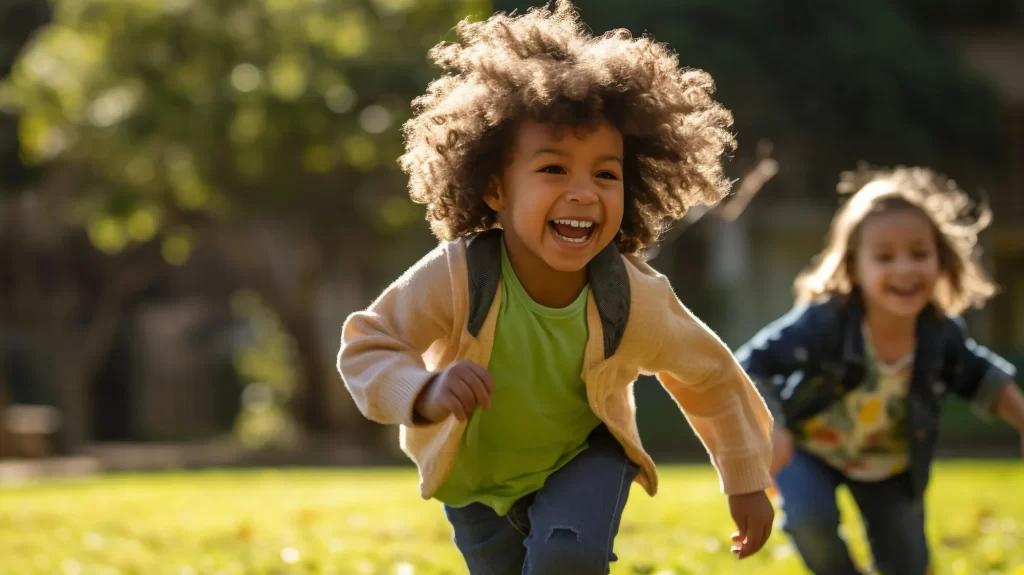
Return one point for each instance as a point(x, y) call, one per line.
point(545, 66)
point(955, 219)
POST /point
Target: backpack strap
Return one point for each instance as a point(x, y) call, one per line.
point(483, 261)
point(609, 282)
point(607, 274)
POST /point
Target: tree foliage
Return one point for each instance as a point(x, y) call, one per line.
point(269, 128)
point(221, 108)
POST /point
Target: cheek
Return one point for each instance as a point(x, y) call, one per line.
point(863, 270)
point(531, 217)
point(530, 208)
point(872, 277)
point(613, 208)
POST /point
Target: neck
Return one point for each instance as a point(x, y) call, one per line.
point(547, 286)
point(892, 336)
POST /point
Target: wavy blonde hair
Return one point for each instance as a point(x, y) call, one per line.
point(956, 220)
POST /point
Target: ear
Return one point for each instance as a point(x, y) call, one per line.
point(494, 196)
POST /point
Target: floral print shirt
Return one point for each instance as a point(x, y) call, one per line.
point(863, 435)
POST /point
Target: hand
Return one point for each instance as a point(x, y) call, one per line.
point(753, 514)
point(456, 391)
point(782, 449)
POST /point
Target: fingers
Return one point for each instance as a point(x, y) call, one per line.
point(453, 404)
point(465, 400)
point(755, 542)
point(745, 546)
point(481, 384)
point(468, 385)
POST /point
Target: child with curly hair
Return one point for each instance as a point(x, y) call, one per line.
point(857, 372)
point(548, 159)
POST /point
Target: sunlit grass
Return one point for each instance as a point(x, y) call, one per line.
point(373, 522)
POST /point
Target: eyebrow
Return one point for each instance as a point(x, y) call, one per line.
point(604, 158)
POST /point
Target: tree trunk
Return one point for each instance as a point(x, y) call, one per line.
point(289, 283)
point(311, 401)
point(75, 404)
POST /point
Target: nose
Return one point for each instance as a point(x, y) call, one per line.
point(905, 266)
point(581, 192)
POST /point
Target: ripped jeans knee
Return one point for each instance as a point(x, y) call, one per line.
point(564, 549)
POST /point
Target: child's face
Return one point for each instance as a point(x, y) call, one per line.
point(897, 262)
point(560, 197)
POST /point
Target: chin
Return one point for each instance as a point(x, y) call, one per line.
point(904, 310)
point(567, 265)
point(569, 259)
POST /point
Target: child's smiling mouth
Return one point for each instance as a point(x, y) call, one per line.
point(905, 291)
point(573, 231)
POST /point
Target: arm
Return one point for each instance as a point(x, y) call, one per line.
point(978, 375)
point(382, 347)
point(1010, 406)
point(717, 398)
point(783, 348)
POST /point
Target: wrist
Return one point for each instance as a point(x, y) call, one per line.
point(419, 406)
point(748, 494)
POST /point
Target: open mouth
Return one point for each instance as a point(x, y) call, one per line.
point(572, 231)
point(905, 291)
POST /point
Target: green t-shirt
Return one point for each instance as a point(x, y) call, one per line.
point(539, 417)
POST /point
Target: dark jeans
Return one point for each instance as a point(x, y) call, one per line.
point(894, 520)
point(567, 527)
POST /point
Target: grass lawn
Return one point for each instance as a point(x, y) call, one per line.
point(367, 522)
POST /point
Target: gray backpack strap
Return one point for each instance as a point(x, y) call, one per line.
point(483, 262)
point(609, 282)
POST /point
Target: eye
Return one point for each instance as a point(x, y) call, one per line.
point(606, 175)
point(883, 258)
point(553, 169)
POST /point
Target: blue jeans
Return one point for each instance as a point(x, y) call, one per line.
point(568, 526)
point(893, 519)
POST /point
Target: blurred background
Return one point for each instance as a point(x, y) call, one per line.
point(195, 193)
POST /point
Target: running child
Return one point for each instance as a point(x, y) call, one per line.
point(548, 159)
point(856, 373)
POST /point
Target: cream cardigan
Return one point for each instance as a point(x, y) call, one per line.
point(390, 351)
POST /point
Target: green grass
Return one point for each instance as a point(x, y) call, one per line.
point(367, 522)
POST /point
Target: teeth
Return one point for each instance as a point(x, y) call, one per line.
point(574, 240)
point(575, 223)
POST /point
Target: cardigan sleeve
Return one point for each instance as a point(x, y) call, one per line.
point(382, 347)
point(718, 399)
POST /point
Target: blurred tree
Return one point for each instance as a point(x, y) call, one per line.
point(18, 20)
point(830, 83)
point(268, 128)
point(61, 302)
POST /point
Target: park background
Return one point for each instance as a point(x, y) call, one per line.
point(195, 193)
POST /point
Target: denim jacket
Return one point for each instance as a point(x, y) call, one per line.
point(814, 355)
